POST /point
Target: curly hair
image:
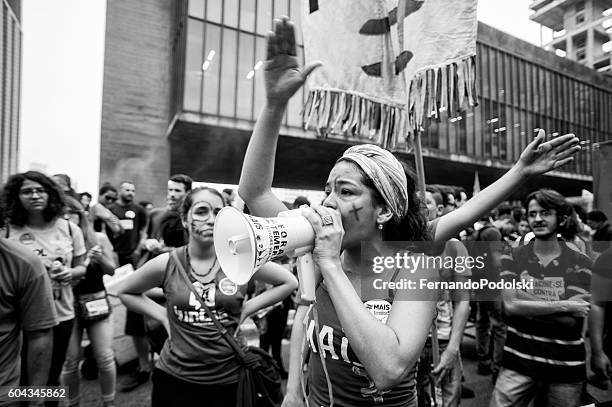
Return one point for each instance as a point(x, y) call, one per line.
point(14, 211)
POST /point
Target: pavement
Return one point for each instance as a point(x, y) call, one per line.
point(481, 385)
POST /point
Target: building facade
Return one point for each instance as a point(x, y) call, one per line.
point(581, 29)
point(10, 85)
point(183, 86)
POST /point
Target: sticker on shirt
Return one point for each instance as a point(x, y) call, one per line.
point(228, 287)
point(549, 288)
point(379, 308)
point(127, 224)
point(207, 293)
point(130, 214)
point(26, 238)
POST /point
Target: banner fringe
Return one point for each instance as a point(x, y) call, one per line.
point(355, 117)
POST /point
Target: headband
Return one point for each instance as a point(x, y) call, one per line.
point(385, 171)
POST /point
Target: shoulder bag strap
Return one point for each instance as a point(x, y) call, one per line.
point(228, 337)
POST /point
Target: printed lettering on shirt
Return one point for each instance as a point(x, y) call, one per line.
point(207, 293)
point(193, 313)
point(548, 288)
point(379, 308)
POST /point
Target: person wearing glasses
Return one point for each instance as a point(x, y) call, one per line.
point(197, 366)
point(34, 209)
point(102, 218)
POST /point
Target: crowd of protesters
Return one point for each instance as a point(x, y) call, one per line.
point(57, 245)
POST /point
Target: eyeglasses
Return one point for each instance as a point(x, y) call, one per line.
point(543, 213)
point(31, 191)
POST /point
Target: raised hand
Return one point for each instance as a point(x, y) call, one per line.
point(282, 73)
point(539, 157)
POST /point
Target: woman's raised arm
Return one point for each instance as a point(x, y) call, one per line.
point(282, 78)
point(537, 158)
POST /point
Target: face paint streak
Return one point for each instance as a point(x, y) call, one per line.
point(356, 211)
point(198, 217)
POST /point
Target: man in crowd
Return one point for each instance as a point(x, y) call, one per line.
point(26, 303)
point(128, 245)
point(490, 328)
point(453, 309)
point(165, 230)
point(102, 218)
point(544, 356)
point(602, 236)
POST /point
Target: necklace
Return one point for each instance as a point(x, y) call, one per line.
point(193, 271)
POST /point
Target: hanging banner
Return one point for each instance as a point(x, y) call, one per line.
point(387, 65)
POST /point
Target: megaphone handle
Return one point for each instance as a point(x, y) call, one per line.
point(306, 276)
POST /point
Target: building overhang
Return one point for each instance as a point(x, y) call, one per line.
point(214, 153)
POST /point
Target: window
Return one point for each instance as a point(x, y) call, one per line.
point(580, 54)
point(579, 18)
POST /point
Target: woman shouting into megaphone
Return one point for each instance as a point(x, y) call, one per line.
point(363, 343)
point(197, 361)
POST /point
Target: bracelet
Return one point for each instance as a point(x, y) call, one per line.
point(305, 302)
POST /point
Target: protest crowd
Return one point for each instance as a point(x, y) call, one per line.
point(541, 345)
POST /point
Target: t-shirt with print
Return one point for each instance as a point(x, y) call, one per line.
point(60, 242)
point(133, 219)
point(198, 352)
point(456, 271)
point(26, 302)
point(351, 384)
point(549, 348)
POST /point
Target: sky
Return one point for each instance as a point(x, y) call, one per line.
point(63, 61)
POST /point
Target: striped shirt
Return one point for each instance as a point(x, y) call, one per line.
point(549, 348)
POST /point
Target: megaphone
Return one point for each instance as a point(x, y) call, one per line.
point(244, 243)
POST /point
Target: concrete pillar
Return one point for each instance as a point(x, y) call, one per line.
point(590, 44)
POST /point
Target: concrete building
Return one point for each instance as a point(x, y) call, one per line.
point(10, 85)
point(581, 29)
point(183, 87)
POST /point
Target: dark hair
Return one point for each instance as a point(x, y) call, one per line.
point(228, 191)
point(582, 214)
point(551, 199)
point(15, 213)
point(65, 178)
point(517, 213)
point(413, 226)
point(457, 192)
point(87, 194)
point(445, 191)
point(188, 200)
point(106, 187)
point(597, 216)
point(504, 209)
point(435, 193)
point(300, 200)
point(182, 179)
